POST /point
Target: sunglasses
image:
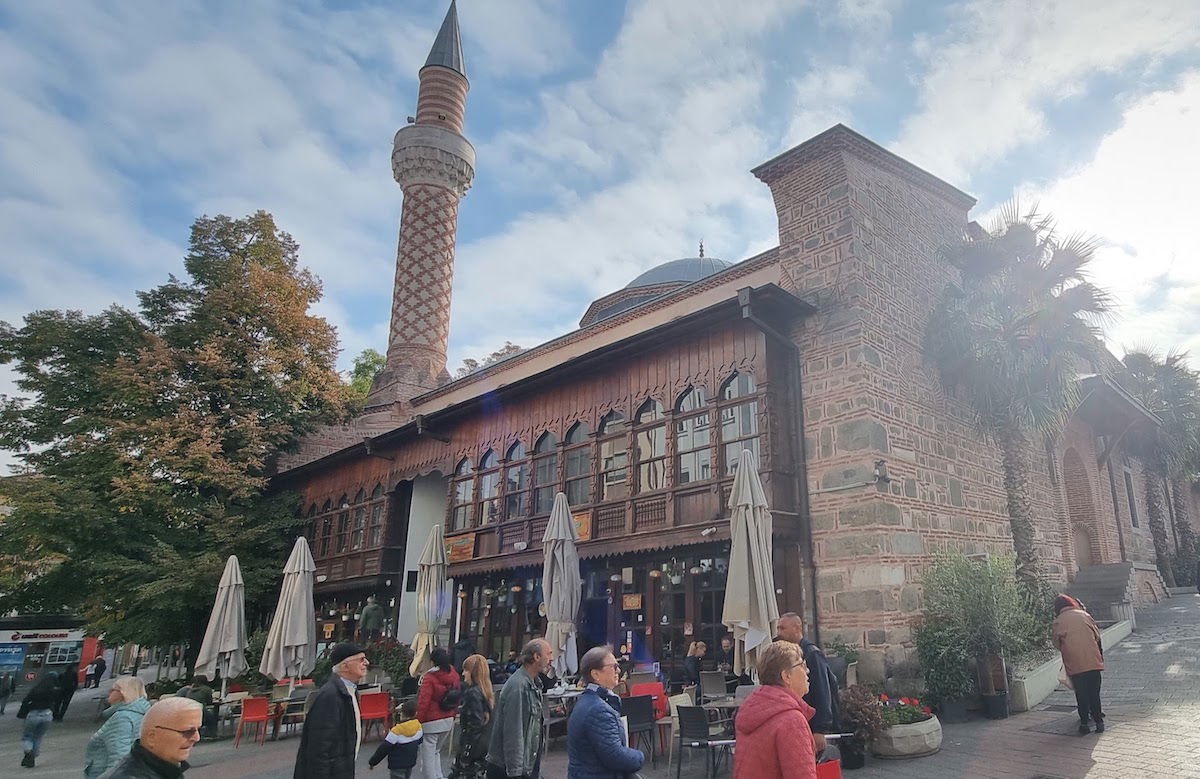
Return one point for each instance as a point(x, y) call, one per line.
point(189, 734)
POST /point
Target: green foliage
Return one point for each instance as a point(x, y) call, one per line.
point(847, 652)
point(903, 711)
point(367, 366)
point(470, 365)
point(151, 435)
point(976, 609)
point(861, 713)
point(164, 687)
point(1184, 566)
point(391, 656)
point(1010, 341)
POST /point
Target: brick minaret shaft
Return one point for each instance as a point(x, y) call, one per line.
point(434, 164)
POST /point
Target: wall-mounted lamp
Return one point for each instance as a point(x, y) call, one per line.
point(695, 570)
point(655, 573)
point(321, 577)
point(345, 504)
point(708, 531)
point(521, 546)
point(516, 588)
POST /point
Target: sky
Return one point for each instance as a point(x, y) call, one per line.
point(610, 136)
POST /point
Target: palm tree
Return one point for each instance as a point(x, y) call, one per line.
point(1010, 341)
point(1166, 386)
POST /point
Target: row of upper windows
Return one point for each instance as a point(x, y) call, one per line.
point(693, 399)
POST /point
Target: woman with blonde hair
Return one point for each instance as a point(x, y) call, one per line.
point(478, 700)
point(773, 737)
point(691, 663)
point(114, 739)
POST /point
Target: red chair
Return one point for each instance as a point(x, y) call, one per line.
point(661, 707)
point(374, 708)
point(256, 711)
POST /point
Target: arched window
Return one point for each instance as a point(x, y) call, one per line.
point(693, 438)
point(377, 506)
point(516, 483)
point(359, 535)
point(326, 528)
point(310, 531)
point(489, 488)
point(614, 456)
point(545, 473)
point(739, 420)
point(343, 524)
point(579, 465)
point(463, 513)
point(650, 446)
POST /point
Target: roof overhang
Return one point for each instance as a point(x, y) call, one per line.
point(1114, 413)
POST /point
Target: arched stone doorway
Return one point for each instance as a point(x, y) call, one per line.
point(1081, 512)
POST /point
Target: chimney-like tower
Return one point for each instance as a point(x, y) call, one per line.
point(434, 164)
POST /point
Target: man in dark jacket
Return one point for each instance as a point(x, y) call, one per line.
point(98, 671)
point(822, 692)
point(68, 682)
point(170, 729)
point(332, 730)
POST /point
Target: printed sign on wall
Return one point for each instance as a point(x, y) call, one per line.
point(12, 657)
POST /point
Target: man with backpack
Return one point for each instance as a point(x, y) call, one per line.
point(437, 703)
point(822, 683)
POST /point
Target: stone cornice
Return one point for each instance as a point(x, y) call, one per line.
point(424, 154)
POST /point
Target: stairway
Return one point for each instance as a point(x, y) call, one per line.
point(1101, 587)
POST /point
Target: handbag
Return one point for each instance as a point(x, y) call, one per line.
point(23, 712)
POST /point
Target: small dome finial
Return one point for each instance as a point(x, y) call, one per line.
point(701, 247)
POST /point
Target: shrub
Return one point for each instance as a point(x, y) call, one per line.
point(861, 712)
point(847, 652)
point(944, 663)
point(903, 711)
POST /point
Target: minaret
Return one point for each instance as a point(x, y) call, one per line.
point(434, 164)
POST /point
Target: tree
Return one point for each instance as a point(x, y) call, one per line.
point(1010, 338)
point(1166, 386)
point(367, 366)
point(153, 434)
point(469, 365)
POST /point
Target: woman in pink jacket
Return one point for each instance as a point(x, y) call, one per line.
point(1078, 638)
point(773, 738)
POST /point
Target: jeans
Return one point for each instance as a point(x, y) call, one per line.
point(36, 724)
point(1087, 695)
point(429, 758)
point(399, 773)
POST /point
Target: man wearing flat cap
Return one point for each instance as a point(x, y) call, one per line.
point(332, 729)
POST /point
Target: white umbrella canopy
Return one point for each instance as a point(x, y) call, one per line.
point(291, 649)
point(561, 586)
point(751, 610)
point(432, 603)
point(224, 645)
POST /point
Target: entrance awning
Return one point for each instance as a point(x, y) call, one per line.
point(1114, 413)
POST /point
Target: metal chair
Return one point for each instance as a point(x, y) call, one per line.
point(743, 691)
point(712, 686)
point(697, 732)
point(639, 709)
point(672, 722)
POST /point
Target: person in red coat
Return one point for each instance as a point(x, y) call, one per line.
point(437, 703)
point(773, 737)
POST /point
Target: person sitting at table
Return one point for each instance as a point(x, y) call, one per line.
point(691, 663)
point(596, 747)
point(200, 692)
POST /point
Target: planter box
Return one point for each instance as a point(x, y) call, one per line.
point(1033, 687)
point(916, 740)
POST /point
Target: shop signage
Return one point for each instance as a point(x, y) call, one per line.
point(631, 602)
point(583, 525)
point(35, 636)
point(12, 656)
point(460, 548)
point(327, 629)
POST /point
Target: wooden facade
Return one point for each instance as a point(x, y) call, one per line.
point(643, 439)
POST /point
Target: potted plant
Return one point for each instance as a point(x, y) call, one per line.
point(911, 729)
point(861, 715)
point(946, 670)
point(843, 661)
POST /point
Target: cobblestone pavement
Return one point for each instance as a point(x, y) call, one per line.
point(1151, 694)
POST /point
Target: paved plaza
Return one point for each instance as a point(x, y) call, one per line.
point(1151, 695)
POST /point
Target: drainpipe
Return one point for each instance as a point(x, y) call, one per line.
point(797, 401)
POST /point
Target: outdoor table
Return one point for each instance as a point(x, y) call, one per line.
point(281, 707)
point(217, 706)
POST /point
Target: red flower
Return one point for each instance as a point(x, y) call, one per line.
point(883, 698)
point(927, 710)
point(904, 701)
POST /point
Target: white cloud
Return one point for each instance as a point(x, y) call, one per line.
point(990, 77)
point(1138, 193)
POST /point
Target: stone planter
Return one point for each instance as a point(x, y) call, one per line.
point(916, 740)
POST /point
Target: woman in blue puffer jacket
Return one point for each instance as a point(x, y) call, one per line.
point(596, 746)
point(115, 737)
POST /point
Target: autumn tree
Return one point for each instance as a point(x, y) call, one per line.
point(152, 434)
point(470, 365)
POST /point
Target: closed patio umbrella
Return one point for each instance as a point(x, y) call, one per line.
point(224, 645)
point(291, 649)
point(561, 586)
point(432, 603)
point(751, 610)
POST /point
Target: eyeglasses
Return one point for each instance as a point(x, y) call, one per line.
point(799, 665)
point(607, 666)
point(189, 734)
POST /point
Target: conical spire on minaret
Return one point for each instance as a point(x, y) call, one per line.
point(447, 48)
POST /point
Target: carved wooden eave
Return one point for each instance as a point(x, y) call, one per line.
point(1114, 413)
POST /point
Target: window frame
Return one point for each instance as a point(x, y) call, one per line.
point(690, 408)
point(606, 437)
point(580, 446)
point(544, 454)
point(376, 515)
point(489, 469)
point(516, 459)
point(641, 427)
point(460, 504)
point(725, 404)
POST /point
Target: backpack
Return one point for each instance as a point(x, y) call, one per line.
point(451, 698)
